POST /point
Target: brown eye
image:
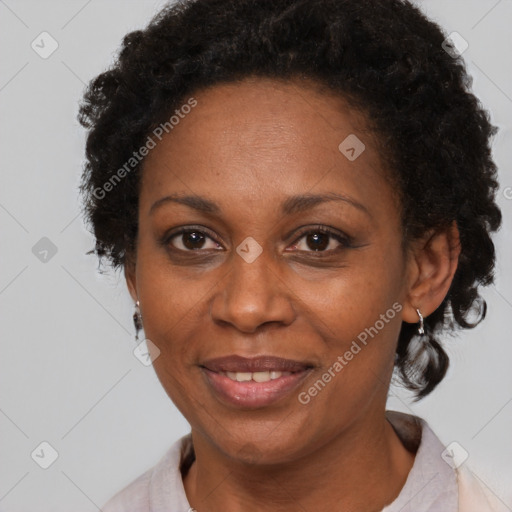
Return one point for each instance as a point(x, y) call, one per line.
point(320, 240)
point(317, 241)
point(192, 240)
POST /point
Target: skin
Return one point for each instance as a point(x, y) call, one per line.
point(248, 146)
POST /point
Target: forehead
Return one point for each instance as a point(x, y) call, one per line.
point(261, 140)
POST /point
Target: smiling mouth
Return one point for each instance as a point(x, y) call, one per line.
point(265, 376)
point(253, 382)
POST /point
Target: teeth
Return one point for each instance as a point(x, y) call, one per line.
point(261, 376)
point(256, 376)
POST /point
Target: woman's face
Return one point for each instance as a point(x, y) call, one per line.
point(292, 252)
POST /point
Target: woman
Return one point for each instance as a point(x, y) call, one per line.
point(301, 195)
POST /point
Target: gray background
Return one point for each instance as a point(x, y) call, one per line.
point(67, 372)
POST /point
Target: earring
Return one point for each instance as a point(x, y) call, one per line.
point(137, 320)
point(421, 328)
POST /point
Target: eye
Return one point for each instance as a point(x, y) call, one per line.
point(320, 239)
point(192, 239)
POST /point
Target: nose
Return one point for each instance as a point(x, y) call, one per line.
point(253, 294)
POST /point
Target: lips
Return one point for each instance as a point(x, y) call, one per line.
point(253, 382)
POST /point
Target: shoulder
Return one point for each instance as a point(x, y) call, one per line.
point(454, 487)
point(157, 487)
point(135, 496)
point(474, 496)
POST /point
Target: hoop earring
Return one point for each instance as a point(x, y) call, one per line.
point(421, 327)
point(137, 320)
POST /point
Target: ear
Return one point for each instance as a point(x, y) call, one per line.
point(432, 264)
point(131, 279)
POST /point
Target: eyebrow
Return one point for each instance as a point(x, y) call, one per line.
point(292, 204)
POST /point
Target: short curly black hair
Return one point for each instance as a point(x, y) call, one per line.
point(383, 56)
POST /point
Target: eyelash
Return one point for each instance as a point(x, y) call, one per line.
point(344, 240)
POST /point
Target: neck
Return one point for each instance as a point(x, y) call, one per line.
point(361, 469)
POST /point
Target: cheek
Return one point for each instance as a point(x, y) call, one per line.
point(170, 311)
point(353, 298)
point(359, 331)
point(167, 297)
point(358, 316)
